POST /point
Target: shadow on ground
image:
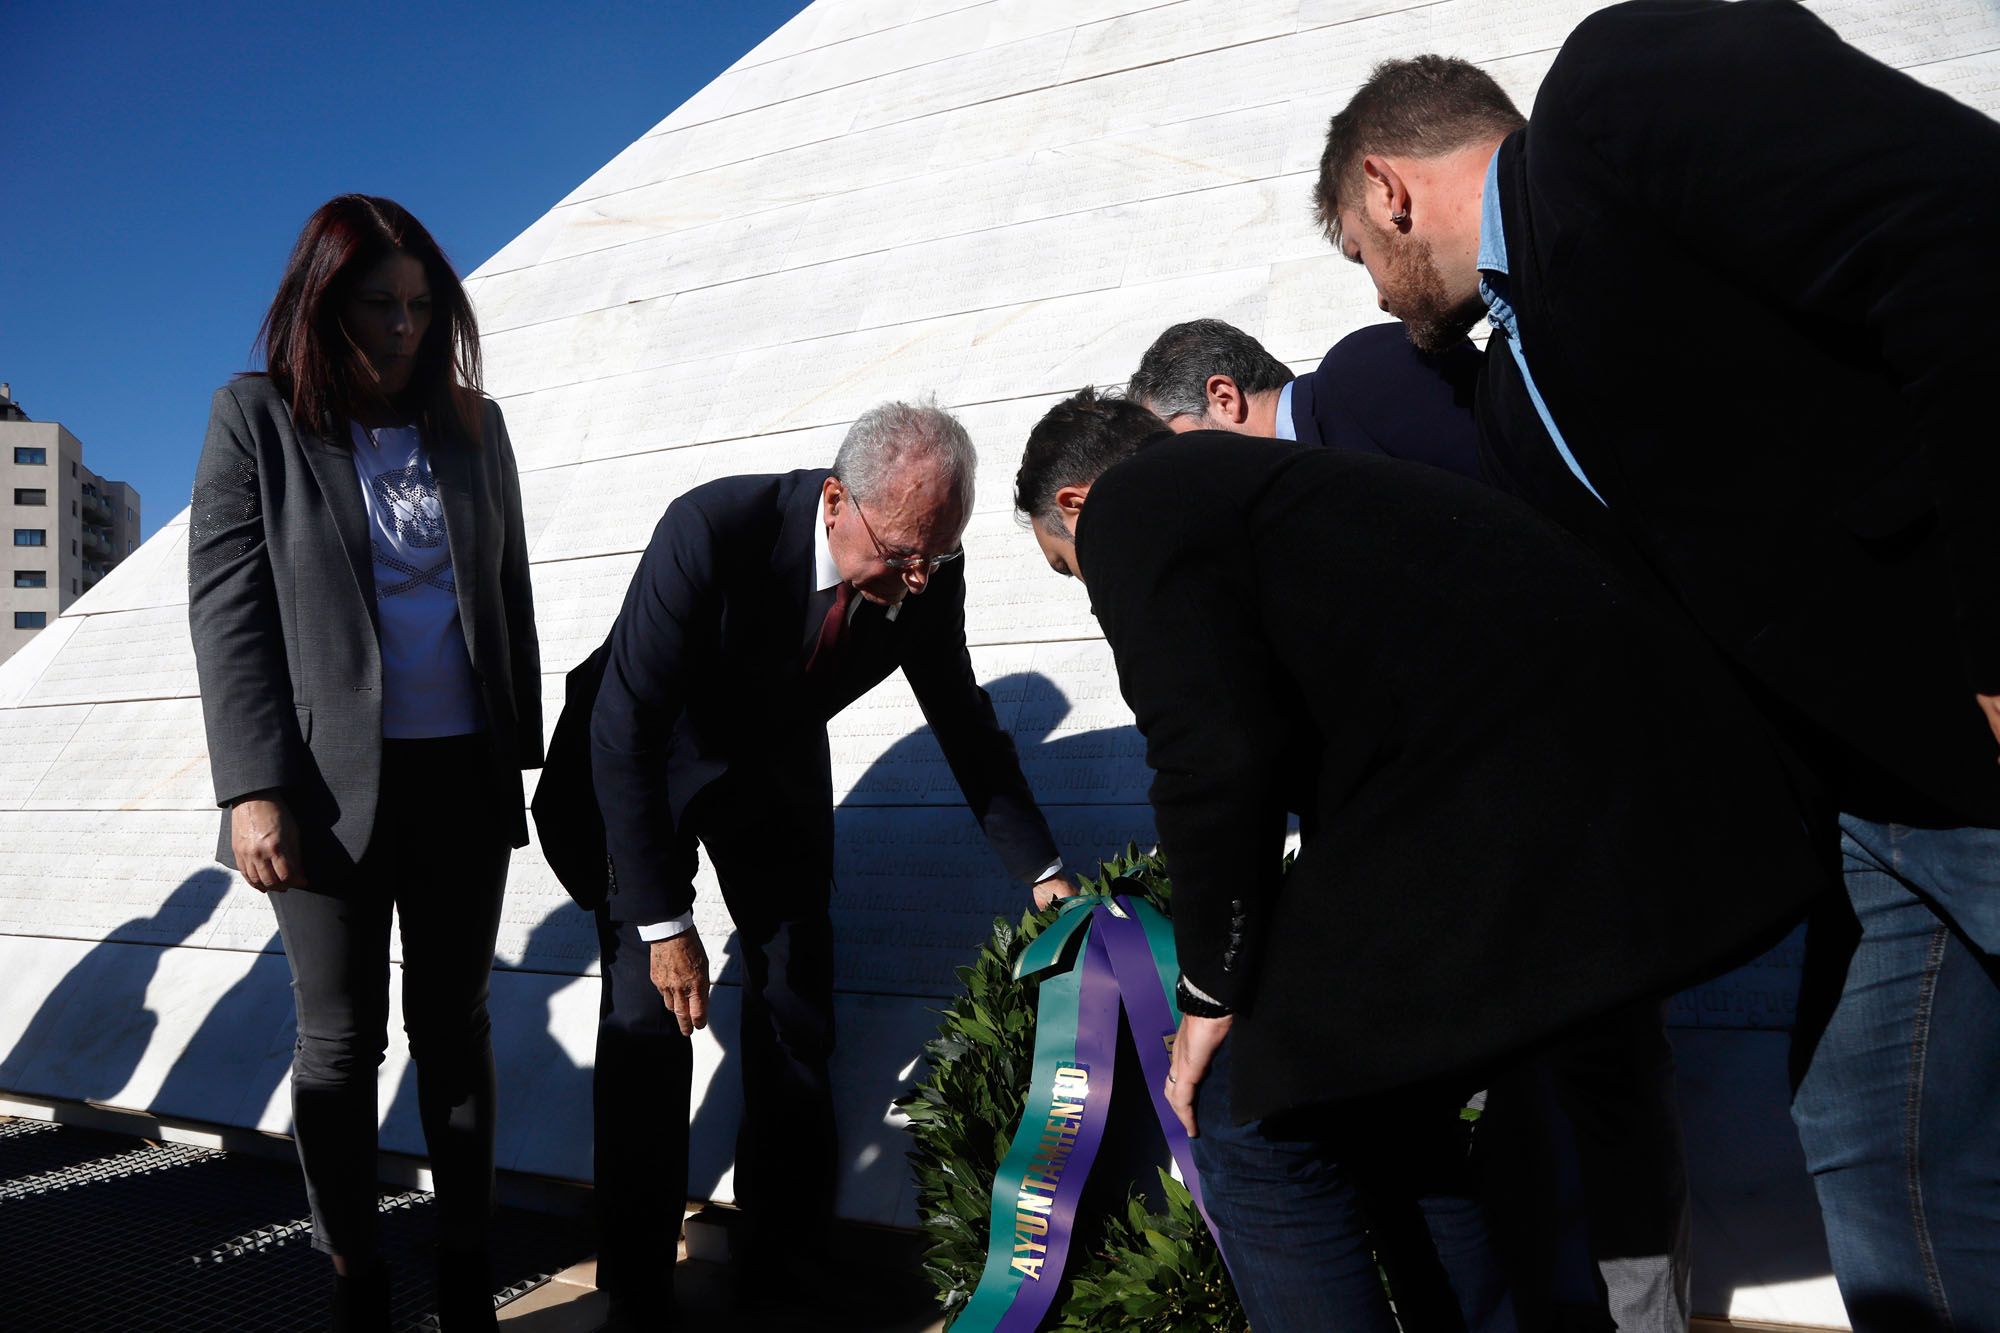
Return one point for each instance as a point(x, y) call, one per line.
point(107, 1232)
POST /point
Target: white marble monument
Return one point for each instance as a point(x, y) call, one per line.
point(994, 202)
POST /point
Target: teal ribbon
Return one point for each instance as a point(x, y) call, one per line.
point(1099, 955)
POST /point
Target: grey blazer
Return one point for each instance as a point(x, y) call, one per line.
point(281, 603)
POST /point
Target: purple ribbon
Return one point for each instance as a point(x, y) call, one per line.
point(1153, 1028)
point(1097, 1053)
point(1041, 1180)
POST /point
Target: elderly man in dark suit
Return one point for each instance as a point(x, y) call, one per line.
point(1373, 391)
point(763, 606)
point(1801, 460)
point(1427, 673)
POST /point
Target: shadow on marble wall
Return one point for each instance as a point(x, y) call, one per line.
point(542, 1088)
point(92, 1029)
point(222, 1044)
point(867, 1083)
point(235, 1061)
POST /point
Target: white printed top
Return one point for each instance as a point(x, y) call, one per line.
point(428, 688)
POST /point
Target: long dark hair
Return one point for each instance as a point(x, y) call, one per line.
point(308, 353)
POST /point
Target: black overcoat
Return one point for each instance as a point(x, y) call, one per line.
point(1525, 795)
point(1753, 271)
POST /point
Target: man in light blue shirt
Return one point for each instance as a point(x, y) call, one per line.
point(1799, 459)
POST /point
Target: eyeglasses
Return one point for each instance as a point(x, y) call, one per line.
point(902, 564)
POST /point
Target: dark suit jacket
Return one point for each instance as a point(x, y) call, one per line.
point(281, 606)
point(1801, 451)
point(705, 674)
point(1375, 392)
point(1492, 749)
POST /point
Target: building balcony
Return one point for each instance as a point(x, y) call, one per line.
point(96, 509)
point(97, 543)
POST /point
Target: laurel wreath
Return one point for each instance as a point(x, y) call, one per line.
point(1140, 1268)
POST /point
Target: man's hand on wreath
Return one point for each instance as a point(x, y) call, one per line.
point(680, 973)
point(1052, 888)
point(1194, 1050)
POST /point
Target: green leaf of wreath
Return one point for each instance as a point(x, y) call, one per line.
point(1150, 1272)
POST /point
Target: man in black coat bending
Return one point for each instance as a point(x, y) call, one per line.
point(763, 606)
point(1488, 743)
point(1606, 1096)
point(1800, 456)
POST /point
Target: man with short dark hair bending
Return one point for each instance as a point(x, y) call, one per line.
point(1442, 687)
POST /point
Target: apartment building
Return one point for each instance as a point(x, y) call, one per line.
point(67, 527)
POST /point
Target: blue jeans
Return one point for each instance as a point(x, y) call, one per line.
point(1301, 1201)
point(1899, 1107)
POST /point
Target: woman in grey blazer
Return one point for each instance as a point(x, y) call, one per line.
point(371, 686)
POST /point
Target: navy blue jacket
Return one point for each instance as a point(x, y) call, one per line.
point(1376, 393)
point(1440, 684)
point(704, 673)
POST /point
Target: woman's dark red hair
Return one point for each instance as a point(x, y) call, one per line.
point(316, 365)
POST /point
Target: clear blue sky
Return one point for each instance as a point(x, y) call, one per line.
point(157, 160)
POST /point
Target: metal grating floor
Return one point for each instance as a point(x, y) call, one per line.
point(110, 1234)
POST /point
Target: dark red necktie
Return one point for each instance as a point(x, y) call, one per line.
point(826, 648)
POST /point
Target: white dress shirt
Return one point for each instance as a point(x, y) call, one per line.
point(428, 688)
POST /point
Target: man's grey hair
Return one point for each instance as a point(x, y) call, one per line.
point(1172, 378)
point(893, 435)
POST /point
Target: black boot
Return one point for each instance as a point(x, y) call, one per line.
point(651, 1313)
point(465, 1292)
point(360, 1302)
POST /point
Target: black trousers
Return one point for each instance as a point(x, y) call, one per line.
point(1603, 1096)
point(439, 859)
point(772, 849)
